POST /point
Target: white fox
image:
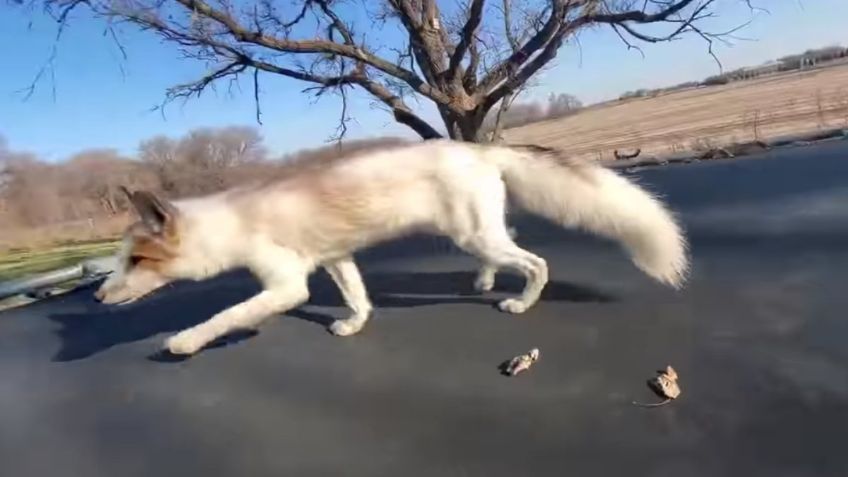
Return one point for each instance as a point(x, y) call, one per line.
point(318, 215)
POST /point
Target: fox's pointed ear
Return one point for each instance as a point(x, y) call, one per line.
point(157, 214)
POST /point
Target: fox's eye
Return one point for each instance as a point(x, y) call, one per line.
point(134, 260)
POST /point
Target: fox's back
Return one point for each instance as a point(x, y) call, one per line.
point(372, 196)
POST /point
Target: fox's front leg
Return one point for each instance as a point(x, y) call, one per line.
point(246, 315)
point(285, 282)
point(346, 276)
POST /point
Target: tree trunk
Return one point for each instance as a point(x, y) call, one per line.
point(470, 129)
point(464, 127)
point(450, 121)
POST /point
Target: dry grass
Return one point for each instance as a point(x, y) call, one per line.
point(20, 263)
point(27, 251)
point(62, 234)
point(784, 104)
point(16, 264)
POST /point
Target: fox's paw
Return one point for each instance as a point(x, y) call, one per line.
point(184, 343)
point(346, 327)
point(484, 283)
point(513, 305)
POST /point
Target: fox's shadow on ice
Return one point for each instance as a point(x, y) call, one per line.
point(186, 304)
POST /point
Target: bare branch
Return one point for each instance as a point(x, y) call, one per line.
point(403, 114)
point(519, 67)
point(687, 24)
point(461, 64)
point(639, 16)
point(256, 95)
point(466, 38)
point(341, 129)
point(66, 9)
point(507, 18)
point(118, 43)
point(29, 90)
point(314, 46)
point(196, 88)
point(469, 79)
point(269, 17)
point(337, 23)
point(49, 65)
point(401, 111)
point(513, 62)
point(630, 46)
point(697, 14)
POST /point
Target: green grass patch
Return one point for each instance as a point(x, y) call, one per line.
point(20, 263)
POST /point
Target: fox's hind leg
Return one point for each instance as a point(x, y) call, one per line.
point(502, 252)
point(481, 230)
point(485, 280)
point(346, 276)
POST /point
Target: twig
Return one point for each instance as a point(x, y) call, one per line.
point(256, 95)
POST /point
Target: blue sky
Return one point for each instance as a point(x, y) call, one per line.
point(102, 100)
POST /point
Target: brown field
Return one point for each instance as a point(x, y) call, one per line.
point(697, 119)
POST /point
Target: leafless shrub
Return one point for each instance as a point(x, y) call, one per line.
point(754, 122)
point(703, 144)
point(675, 147)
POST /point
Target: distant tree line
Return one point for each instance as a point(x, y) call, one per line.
point(801, 61)
point(37, 194)
point(527, 112)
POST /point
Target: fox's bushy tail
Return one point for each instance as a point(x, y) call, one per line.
point(589, 196)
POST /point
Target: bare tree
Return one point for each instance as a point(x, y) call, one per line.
point(466, 60)
point(160, 155)
point(520, 114)
point(5, 179)
point(562, 104)
point(204, 160)
point(29, 191)
point(515, 114)
point(93, 179)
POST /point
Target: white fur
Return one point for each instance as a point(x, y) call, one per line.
point(285, 230)
point(600, 201)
